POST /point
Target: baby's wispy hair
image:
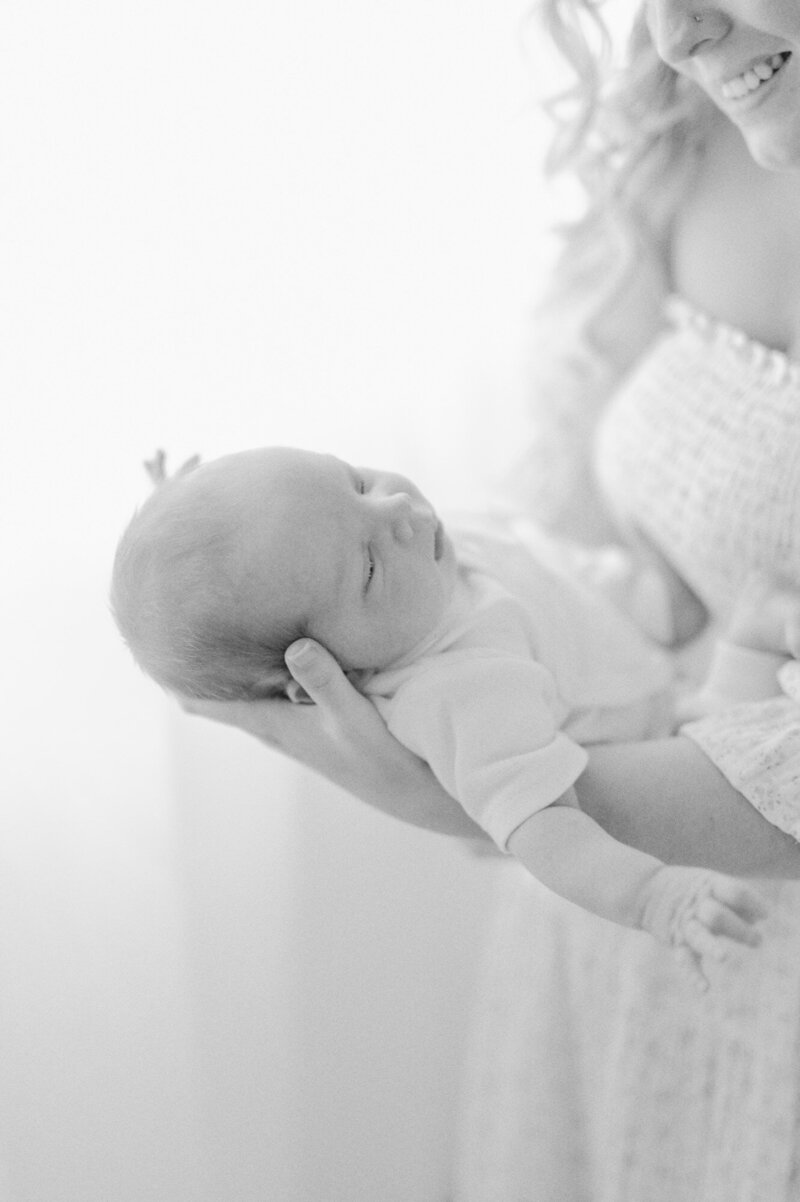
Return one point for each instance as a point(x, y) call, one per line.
point(176, 595)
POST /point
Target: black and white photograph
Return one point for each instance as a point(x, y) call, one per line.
point(400, 790)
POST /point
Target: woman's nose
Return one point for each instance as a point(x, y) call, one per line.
point(680, 29)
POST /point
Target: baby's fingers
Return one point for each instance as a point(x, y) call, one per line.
point(690, 965)
point(728, 912)
point(737, 896)
point(719, 922)
point(705, 944)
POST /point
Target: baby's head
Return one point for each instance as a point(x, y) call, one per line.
point(227, 564)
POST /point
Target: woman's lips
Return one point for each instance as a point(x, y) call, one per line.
point(755, 77)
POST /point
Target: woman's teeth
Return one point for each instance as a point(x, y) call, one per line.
point(752, 79)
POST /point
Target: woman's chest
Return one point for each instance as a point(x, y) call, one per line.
point(700, 451)
point(736, 246)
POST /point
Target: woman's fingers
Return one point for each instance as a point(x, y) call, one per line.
point(320, 676)
point(340, 735)
point(343, 737)
point(229, 712)
point(317, 678)
point(264, 719)
point(313, 667)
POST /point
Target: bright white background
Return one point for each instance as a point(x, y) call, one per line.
point(225, 225)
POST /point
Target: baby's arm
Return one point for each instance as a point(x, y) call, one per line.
point(694, 911)
point(486, 726)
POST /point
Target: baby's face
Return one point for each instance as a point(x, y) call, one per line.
point(358, 554)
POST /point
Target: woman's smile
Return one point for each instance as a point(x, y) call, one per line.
point(754, 80)
point(744, 55)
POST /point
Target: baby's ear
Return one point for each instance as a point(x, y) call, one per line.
point(297, 694)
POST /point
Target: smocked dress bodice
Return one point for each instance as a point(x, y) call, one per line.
point(700, 451)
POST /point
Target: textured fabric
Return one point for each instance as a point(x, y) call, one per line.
point(700, 452)
point(527, 664)
point(757, 747)
point(596, 1075)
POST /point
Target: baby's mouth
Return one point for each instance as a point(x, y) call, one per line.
point(755, 77)
point(438, 540)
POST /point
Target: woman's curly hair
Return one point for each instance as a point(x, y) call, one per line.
point(625, 129)
point(629, 130)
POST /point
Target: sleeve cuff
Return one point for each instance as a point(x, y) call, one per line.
point(550, 771)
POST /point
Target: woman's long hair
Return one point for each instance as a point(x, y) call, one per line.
point(629, 130)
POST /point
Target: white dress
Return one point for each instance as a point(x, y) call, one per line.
point(596, 1074)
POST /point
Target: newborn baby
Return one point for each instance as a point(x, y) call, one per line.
point(495, 654)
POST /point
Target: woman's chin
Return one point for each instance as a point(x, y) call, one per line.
point(774, 150)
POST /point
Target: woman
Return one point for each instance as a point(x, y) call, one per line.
point(674, 414)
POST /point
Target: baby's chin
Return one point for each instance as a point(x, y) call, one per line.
point(398, 651)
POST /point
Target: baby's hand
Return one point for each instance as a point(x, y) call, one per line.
point(699, 913)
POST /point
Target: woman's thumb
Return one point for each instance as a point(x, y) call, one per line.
point(315, 670)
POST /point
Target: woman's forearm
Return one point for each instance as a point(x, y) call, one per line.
point(409, 791)
point(666, 798)
point(663, 797)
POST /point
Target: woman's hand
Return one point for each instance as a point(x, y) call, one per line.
point(342, 736)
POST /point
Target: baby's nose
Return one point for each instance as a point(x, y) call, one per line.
point(404, 517)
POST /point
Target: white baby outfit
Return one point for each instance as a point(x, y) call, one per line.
point(531, 662)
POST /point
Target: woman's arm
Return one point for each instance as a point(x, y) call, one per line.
point(663, 797)
point(666, 798)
